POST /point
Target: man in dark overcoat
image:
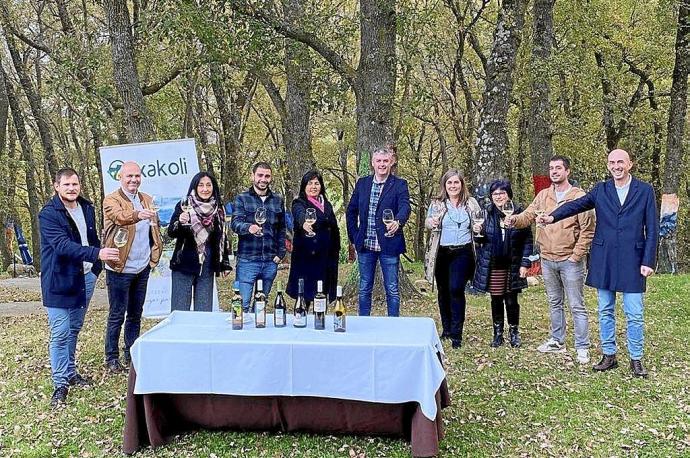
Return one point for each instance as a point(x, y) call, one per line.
point(623, 253)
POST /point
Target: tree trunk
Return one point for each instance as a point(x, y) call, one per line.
point(375, 81)
point(674, 143)
point(540, 130)
point(231, 121)
point(139, 123)
point(29, 168)
point(51, 162)
point(6, 158)
point(492, 142)
point(297, 122)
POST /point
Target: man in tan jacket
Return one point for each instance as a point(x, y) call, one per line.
point(563, 247)
point(127, 278)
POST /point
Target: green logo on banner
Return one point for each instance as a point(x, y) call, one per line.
point(114, 169)
point(154, 169)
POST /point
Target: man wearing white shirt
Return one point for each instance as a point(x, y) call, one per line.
point(70, 263)
point(128, 276)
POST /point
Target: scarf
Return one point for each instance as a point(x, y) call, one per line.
point(202, 218)
point(318, 202)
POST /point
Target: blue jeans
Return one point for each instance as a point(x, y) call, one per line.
point(566, 279)
point(248, 272)
point(126, 294)
point(633, 308)
point(367, 268)
point(182, 284)
point(65, 325)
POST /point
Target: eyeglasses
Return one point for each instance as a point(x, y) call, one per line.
point(499, 193)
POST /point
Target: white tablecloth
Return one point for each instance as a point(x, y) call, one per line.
point(378, 359)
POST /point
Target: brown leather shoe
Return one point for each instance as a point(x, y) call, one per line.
point(608, 362)
point(637, 368)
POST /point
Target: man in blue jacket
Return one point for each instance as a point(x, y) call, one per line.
point(373, 239)
point(623, 253)
point(70, 263)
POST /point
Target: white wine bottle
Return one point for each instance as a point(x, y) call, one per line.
point(300, 318)
point(279, 308)
point(236, 306)
point(319, 307)
point(260, 305)
point(339, 312)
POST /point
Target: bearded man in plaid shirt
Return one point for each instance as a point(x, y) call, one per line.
point(261, 247)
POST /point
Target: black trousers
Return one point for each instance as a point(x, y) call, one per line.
point(454, 267)
point(512, 308)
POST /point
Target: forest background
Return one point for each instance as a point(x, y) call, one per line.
point(492, 88)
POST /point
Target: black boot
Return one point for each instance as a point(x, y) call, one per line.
point(498, 335)
point(456, 340)
point(515, 340)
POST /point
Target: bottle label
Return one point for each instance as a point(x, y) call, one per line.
point(279, 315)
point(236, 308)
point(319, 305)
point(259, 306)
point(300, 319)
point(339, 322)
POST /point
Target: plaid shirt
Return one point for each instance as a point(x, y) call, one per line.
point(273, 241)
point(371, 242)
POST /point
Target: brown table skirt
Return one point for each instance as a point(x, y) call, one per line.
point(153, 419)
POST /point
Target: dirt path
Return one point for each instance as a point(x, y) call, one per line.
point(99, 300)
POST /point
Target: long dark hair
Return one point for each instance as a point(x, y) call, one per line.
point(310, 175)
point(195, 182)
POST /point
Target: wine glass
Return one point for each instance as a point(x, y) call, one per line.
point(260, 218)
point(155, 206)
point(121, 236)
point(508, 208)
point(539, 211)
point(436, 211)
point(186, 204)
point(478, 217)
point(310, 218)
point(388, 218)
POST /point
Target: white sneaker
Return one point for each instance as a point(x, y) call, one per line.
point(582, 355)
point(551, 346)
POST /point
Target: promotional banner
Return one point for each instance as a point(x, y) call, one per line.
point(167, 168)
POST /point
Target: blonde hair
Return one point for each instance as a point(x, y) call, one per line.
point(443, 194)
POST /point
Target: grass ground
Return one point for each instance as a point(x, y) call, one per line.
point(505, 402)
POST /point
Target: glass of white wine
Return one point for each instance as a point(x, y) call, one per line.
point(539, 211)
point(186, 205)
point(155, 206)
point(310, 218)
point(121, 236)
point(478, 217)
point(436, 211)
point(388, 218)
point(260, 218)
point(508, 208)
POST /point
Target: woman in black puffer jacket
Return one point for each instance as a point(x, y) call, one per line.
point(502, 262)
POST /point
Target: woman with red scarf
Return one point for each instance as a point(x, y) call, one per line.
point(316, 246)
point(201, 251)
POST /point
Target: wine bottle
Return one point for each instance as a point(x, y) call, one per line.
point(279, 308)
point(319, 307)
point(260, 305)
point(236, 306)
point(300, 318)
point(339, 312)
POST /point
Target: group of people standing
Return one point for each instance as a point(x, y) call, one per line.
point(488, 246)
point(616, 223)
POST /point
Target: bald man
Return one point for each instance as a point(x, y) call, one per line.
point(623, 253)
point(128, 277)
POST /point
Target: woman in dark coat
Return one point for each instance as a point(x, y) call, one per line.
point(201, 251)
point(314, 257)
point(502, 262)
